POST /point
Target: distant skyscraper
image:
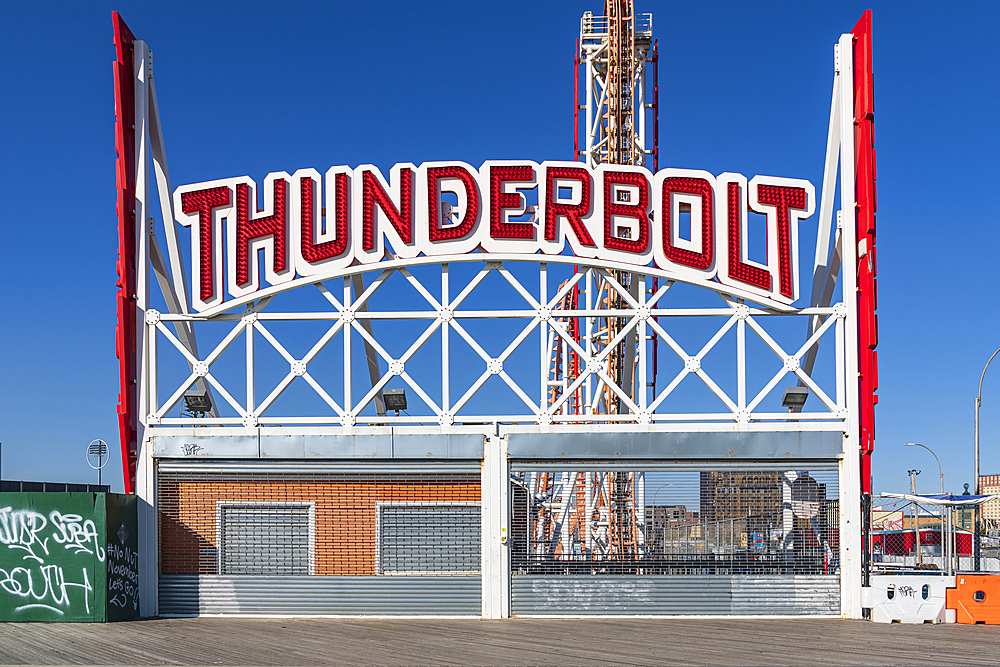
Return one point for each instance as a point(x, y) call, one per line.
point(990, 485)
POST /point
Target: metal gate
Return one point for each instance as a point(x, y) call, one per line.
point(319, 539)
point(262, 538)
point(668, 538)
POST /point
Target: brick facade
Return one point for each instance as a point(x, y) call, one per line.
point(345, 514)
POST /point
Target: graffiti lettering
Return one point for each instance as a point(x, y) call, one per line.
point(123, 575)
point(19, 529)
point(47, 581)
point(907, 591)
point(75, 533)
point(47, 586)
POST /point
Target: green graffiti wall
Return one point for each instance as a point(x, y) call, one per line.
point(68, 557)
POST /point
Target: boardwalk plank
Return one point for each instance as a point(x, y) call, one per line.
point(604, 641)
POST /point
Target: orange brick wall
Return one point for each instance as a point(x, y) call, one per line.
point(346, 536)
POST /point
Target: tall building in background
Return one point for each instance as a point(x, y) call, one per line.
point(737, 495)
point(990, 484)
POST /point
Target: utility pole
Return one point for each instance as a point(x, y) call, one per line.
point(916, 513)
point(979, 509)
point(940, 472)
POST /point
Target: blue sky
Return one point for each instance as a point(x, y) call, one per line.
point(249, 88)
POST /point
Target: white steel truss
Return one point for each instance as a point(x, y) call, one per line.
point(643, 314)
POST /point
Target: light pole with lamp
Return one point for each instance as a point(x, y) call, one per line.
point(940, 473)
point(979, 401)
point(916, 513)
point(944, 508)
point(663, 529)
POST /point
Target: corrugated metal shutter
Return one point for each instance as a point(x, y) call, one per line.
point(797, 594)
point(265, 540)
point(429, 538)
point(192, 594)
point(625, 594)
point(681, 595)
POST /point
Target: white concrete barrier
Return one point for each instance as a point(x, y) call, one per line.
point(908, 598)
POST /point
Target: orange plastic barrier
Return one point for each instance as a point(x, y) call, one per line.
point(975, 599)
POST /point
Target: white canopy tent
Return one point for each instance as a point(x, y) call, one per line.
point(945, 501)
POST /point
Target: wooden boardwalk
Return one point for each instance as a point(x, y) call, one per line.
point(606, 641)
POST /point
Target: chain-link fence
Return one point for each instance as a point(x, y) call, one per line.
point(896, 543)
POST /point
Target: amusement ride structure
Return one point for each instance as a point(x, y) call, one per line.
point(601, 513)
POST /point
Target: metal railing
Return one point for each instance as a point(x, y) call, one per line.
point(16, 486)
point(594, 29)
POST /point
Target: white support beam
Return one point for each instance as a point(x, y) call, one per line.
point(826, 264)
point(165, 193)
point(169, 269)
point(144, 474)
point(537, 308)
point(495, 490)
point(183, 328)
point(850, 465)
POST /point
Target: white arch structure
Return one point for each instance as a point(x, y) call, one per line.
point(443, 312)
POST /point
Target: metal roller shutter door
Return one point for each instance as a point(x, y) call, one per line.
point(265, 540)
point(429, 538)
point(656, 538)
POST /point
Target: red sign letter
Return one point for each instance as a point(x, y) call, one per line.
point(312, 251)
point(572, 212)
point(203, 201)
point(499, 200)
point(782, 199)
point(401, 219)
point(248, 229)
point(638, 210)
point(436, 231)
point(738, 269)
point(703, 189)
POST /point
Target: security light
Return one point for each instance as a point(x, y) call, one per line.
point(197, 402)
point(395, 399)
point(794, 398)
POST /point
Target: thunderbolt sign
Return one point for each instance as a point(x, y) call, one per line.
point(314, 225)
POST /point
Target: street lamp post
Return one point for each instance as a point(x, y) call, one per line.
point(945, 510)
point(979, 401)
point(940, 473)
point(916, 513)
point(663, 529)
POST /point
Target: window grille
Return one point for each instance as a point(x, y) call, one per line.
point(265, 539)
point(429, 538)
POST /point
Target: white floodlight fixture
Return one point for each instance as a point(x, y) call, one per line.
point(395, 399)
point(197, 402)
point(794, 398)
